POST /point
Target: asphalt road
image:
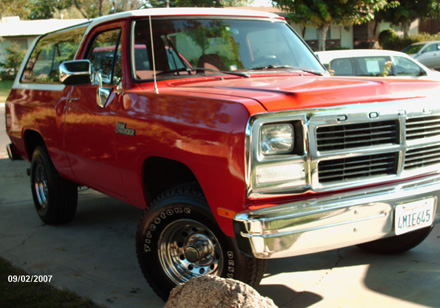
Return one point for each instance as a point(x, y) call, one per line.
point(94, 256)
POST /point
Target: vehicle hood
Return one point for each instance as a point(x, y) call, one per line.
point(299, 92)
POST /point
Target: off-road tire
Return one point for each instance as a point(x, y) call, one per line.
point(178, 238)
point(55, 198)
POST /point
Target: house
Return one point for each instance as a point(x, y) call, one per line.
point(346, 37)
point(24, 32)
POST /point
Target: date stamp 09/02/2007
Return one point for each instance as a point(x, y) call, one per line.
point(29, 278)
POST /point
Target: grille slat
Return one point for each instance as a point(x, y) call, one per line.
point(356, 135)
point(422, 157)
point(423, 127)
point(356, 142)
point(357, 167)
point(343, 138)
point(413, 128)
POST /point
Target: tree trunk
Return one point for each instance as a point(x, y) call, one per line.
point(405, 25)
point(84, 14)
point(322, 36)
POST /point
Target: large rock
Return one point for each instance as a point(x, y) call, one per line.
point(210, 291)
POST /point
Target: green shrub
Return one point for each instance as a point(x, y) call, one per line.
point(388, 39)
point(14, 56)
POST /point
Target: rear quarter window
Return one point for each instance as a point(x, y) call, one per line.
point(49, 52)
point(342, 67)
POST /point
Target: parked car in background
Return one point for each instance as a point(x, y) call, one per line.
point(427, 53)
point(372, 62)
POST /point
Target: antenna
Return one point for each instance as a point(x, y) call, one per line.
point(153, 57)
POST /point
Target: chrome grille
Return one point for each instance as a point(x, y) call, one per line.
point(341, 137)
point(422, 127)
point(347, 146)
point(422, 157)
point(357, 167)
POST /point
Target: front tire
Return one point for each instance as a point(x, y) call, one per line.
point(55, 198)
point(397, 244)
point(178, 238)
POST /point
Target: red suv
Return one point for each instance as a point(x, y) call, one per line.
point(224, 126)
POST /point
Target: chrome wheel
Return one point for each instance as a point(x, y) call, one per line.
point(187, 249)
point(178, 238)
point(55, 198)
point(41, 189)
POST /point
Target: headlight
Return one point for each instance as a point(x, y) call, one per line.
point(277, 138)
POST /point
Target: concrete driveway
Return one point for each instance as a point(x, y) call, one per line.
point(94, 256)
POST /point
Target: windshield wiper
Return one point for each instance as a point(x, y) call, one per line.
point(241, 74)
point(315, 72)
point(269, 67)
point(177, 71)
point(195, 69)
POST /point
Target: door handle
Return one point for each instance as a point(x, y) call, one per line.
point(72, 99)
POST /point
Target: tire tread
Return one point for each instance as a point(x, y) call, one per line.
point(251, 274)
point(63, 197)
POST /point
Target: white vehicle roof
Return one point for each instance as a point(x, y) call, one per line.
point(187, 11)
point(327, 56)
point(424, 43)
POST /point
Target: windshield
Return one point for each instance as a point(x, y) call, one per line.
point(412, 49)
point(183, 47)
point(361, 66)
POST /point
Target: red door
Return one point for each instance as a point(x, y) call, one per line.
point(90, 128)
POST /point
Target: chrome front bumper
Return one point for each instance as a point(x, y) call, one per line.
point(334, 221)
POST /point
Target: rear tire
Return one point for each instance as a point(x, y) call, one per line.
point(55, 198)
point(397, 244)
point(178, 238)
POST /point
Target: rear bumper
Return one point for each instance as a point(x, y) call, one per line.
point(330, 222)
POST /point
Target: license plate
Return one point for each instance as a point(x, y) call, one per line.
point(414, 215)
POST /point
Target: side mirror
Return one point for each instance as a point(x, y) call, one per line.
point(76, 72)
point(102, 94)
point(422, 72)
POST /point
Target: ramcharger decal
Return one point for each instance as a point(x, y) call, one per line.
point(121, 128)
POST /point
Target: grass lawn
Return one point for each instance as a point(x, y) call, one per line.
point(5, 87)
point(34, 294)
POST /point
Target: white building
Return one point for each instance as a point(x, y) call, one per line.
point(24, 32)
point(347, 37)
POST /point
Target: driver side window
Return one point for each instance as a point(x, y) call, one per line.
point(105, 56)
point(432, 48)
point(405, 67)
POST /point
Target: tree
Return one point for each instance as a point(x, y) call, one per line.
point(123, 5)
point(45, 9)
point(199, 3)
point(14, 8)
point(408, 11)
point(92, 8)
point(323, 13)
point(14, 56)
